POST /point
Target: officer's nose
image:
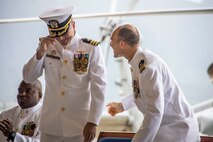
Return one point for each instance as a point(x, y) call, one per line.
point(61, 38)
point(22, 94)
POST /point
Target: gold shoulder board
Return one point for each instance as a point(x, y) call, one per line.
point(90, 41)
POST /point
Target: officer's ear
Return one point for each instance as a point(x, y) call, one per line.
point(73, 24)
point(39, 94)
point(122, 43)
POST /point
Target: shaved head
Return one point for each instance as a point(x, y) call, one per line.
point(29, 94)
point(125, 40)
point(129, 33)
point(37, 84)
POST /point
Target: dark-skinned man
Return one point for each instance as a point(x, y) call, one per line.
point(21, 123)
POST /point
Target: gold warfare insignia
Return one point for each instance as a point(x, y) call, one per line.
point(136, 90)
point(90, 41)
point(53, 24)
point(28, 129)
point(141, 66)
point(80, 62)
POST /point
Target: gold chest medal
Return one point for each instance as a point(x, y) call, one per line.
point(80, 62)
point(136, 90)
point(28, 129)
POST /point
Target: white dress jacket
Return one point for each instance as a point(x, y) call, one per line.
point(26, 123)
point(75, 78)
point(167, 115)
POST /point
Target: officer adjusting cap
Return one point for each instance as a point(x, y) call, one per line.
point(57, 19)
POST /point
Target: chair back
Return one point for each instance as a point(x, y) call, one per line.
point(127, 137)
point(115, 137)
point(206, 139)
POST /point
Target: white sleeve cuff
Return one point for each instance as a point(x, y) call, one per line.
point(128, 102)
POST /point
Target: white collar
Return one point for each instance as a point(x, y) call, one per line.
point(30, 110)
point(73, 41)
point(133, 62)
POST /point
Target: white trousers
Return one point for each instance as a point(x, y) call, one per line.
point(51, 138)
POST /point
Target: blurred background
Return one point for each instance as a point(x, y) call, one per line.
point(184, 40)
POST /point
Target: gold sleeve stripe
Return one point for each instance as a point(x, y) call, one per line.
point(91, 42)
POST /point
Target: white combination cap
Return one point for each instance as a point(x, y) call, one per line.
point(58, 20)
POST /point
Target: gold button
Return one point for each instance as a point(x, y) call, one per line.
point(65, 61)
point(62, 109)
point(62, 93)
point(64, 77)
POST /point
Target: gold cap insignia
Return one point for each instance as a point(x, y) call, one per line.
point(53, 24)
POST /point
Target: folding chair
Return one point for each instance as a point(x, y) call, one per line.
point(206, 139)
point(115, 137)
point(127, 137)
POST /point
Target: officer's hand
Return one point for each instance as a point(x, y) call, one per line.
point(6, 126)
point(44, 44)
point(114, 108)
point(89, 132)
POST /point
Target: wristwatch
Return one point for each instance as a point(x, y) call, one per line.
point(12, 136)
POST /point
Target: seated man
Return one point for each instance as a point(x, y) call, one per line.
point(20, 124)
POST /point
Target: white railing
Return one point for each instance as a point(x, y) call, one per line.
point(126, 13)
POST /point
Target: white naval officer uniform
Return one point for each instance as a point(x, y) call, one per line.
point(26, 123)
point(71, 98)
point(167, 115)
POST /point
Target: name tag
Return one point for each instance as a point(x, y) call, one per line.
point(53, 57)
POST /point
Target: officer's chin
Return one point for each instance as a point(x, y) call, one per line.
point(64, 43)
point(22, 103)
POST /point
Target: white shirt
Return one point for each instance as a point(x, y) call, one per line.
point(167, 115)
point(75, 88)
point(26, 123)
